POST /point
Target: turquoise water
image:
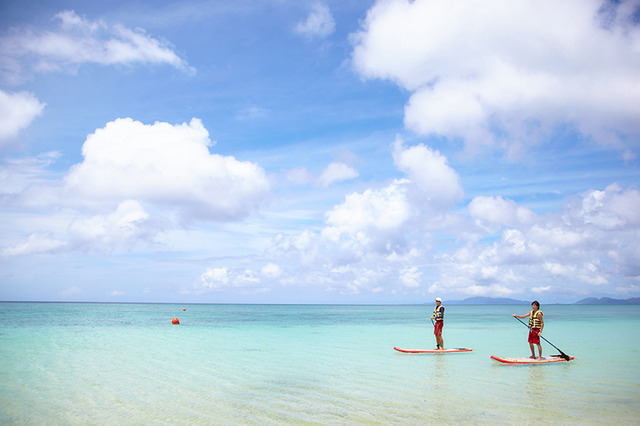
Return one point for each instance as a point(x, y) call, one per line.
point(80, 363)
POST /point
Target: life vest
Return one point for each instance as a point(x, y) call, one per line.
point(438, 312)
point(534, 321)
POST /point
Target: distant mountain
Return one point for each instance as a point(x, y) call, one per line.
point(608, 301)
point(507, 301)
point(486, 301)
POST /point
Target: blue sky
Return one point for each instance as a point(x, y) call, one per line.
point(319, 152)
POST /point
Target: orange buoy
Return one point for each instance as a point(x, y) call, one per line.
point(175, 320)
point(184, 309)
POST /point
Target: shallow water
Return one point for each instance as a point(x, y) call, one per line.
point(80, 363)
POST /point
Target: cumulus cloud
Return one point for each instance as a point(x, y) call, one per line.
point(373, 239)
point(431, 178)
point(126, 225)
point(271, 270)
point(393, 238)
point(336, 172)
point(246, 281)
point(496, 211)
point(370, 220)
point(135, 182)
point(591, 242)
point(17, 112)
point(411, 277)
point(166, 165)
point(214, 278)
point(319, 23)
point(506, 73)
point(78, 40)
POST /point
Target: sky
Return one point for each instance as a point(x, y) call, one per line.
point(347, 151)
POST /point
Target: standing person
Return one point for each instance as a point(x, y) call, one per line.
point(536, 324)
point(438, 316)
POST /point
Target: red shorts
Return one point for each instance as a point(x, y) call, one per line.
point(437, 328)
point(533, 336)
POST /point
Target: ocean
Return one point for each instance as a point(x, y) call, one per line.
point(86, 363)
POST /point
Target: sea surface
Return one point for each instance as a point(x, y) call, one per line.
point(84, 363)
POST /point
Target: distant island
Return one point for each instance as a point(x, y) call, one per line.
point(609, 301)
point(507, 301)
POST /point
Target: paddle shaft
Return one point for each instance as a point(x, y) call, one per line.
point(565, 356)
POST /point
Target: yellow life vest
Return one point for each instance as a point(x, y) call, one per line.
point(534, 321)
point(438, 312)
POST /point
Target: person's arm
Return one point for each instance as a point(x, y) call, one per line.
point(522, 316)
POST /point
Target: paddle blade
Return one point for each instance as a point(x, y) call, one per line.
point(563, 356)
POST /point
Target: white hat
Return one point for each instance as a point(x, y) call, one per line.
point(438, 299)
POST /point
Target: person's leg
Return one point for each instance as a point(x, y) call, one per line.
point(533, 351)
point(540, 350)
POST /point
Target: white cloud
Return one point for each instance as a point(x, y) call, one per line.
point(78, 41)
point(410, 277)
point(214, 278)
point(271, 270)
point(433, 182)
point(373, 239)
point(544, 289)
point(136, 183)
point(126, 225)
point(612, 208)
point(18, 174)
point(123, 229)
point(373, 220)
point(410, 242)
point(245, 280)
point(168, 166)
point(592, 241)
point(319, 23)
point(505, 73)
point(336, 172)
point(496, 211)
point(41, 242)
point(17, 112)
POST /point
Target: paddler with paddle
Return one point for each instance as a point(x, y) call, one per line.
point(438, 316)
point(536, 324)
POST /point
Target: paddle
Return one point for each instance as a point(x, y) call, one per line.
point(562, 354)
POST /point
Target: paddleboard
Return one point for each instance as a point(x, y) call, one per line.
point(543, 360)
point(431, 351)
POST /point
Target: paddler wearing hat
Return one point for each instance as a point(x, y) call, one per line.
point(438, 323)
